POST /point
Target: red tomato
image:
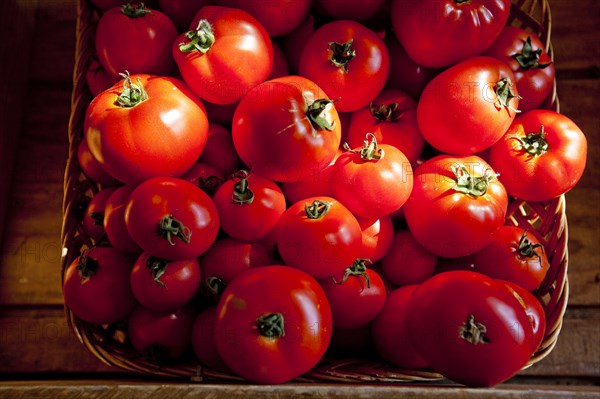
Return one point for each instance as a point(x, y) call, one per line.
point(277, 16)
point(219, 150)
point(171, 218)
point(91, 167)
point(355, 296)
point(534, 70)
point(407, 262)
point(456, 205)
point(182, 12)
point(93, 219)
point(372, 181)
point(377, 237)
point(286, 129)
point(114, 222)
point(96, 286)
point(249, 206)
point(220, 113)
point(280, 63)
point(389, 331)
point(161, 336)
point(356, 10)
point(97, 78)
point(320, 236)
point(164, 285)
point(468, 107)
point(349, 61)
point(204, 342)
point(534, 310)
point(293, 43)
point(541, 156)
point(439, 33)
point(392, 118)
point(205, 176)
point(136, 39)
point(156, 127)
point(281, 331)
point(469, 327)
point(313, 186)
point(224, 55)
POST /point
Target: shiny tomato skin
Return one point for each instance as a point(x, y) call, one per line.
point(407, 262)
point(268, 290)
point(93, 219)
point(219, 150)
point(312, 186)
point(469, 327)
point(547, 175)
point(91, 167)
point(98, 292)
point(534, 310)
point(439, 33)
point(459, 111)
point(363, 76)
point(161, 136)
point(204, 342)
point(114, 222)
point(136, 44)
point(448, 222)
point(181, 12)
point(274, 134)
point(171, 218)
point(377, 237)
point(240, 57)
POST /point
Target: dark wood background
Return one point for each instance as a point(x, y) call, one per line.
point(36, 61)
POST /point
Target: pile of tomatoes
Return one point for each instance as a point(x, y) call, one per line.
point(286, 180)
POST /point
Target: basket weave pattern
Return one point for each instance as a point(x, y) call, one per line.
point(546, 221)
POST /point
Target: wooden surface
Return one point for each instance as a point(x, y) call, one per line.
point(36, 61)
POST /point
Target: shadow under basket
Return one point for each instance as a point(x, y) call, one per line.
point(546, 221)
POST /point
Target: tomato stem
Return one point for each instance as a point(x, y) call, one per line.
point(171, 228)
point(209, 184)
point(241, 192)
point(271, 325)
point(214, 286)
point(529, 59)
point(527, 249)
point(135, 12)
point(157, 267)
point(473, 332)
point(200, 39)
point(534, 143)
point(471, 185)
point(132, 93)
point(316, 114)
point(317, 209)
point(86, 266)
point(369, 151)
point(359, 269)
point(386, 112)
point(504, 93)
point(341, 54)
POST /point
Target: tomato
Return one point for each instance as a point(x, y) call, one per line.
point(171, 218)
point(220, 113)
point(316, 185)
point(407, 262)
point(93, 219)
point(137, 39)
point(534, 70)
point(468, 107)
point(104, 5)
point(97, 78)
point(249, 206)
point(204, 343)
point(164, 285)
point(534, 310)
point(456, 205)
point(205, 176)
point(161, 336)
point(226, 259)
point(356, 296)
point(224, 54)
point(286, 129)
point(277, 16)
point(181, 12)
point(390, 334)
point(320, 236)
point(541, 156)
point(273, 324)
point(146, 126)
point(293, 43)
point(374, 180)
point(96, 286)
point(114, 222)
point(469, 327)
point(355, 10)
point(348, 60)
point(280, 63)
point(377, 237)
point(91, 167)
point(439, 33)
point(392, 118)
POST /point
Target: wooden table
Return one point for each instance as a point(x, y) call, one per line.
point(38, 354)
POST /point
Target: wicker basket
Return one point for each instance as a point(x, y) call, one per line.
point(547, 221)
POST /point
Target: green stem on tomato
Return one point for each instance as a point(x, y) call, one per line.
point(201, 39)
point(271, 325)
point(132, 93)
point(241, 192)
point(171, 228)
point(359, 269)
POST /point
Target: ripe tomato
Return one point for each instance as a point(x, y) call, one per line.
point(392, 118)
point(356, 296)
point(439, 33)
point(286, 129)
point(389, 331)
point(156, 127)
point(534, 70)
point(136, 39)
point(161, 336)
point(349, 61)
point(469, 106)
point(93, 219)
point(114, 221)
point(273, 324)
point(355, 10)
point(204, 342)
point(249, 206)
point(205, 176)
point(219, 150)
point(534, 310)
point(456, 205)
point(469, 327)
point(182, 12)
point(280, 63)
point(541, 156)
point(91, 167)
point(164, 285)
point(319, 184)
point(224, 54)
point(407, 262)
point(96, 286)
point(377, 237)
point(293, 43)
point(97, 78)
point(372, 181)
point(171, 218)
point(320, 236)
